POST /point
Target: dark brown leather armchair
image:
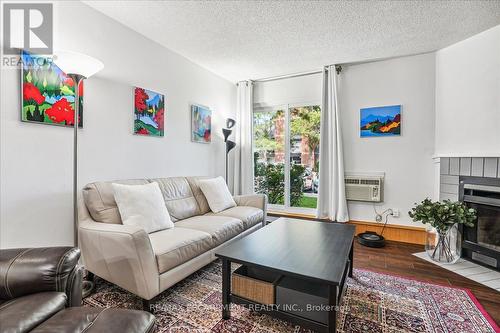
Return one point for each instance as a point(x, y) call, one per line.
point(41, 291)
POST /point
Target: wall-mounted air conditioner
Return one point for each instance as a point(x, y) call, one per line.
point(364, 188)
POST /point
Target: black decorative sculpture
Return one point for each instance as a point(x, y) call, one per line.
point(230, 123)
point(229, 144)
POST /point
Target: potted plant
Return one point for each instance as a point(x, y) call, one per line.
point(444, 240)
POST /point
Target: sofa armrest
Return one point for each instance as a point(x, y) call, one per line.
point(253, 200)
point(74, 287)
point(120, 254)
point(32, 270)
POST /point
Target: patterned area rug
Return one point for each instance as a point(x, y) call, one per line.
point(373, 303)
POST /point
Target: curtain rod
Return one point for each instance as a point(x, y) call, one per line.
point(288, 76)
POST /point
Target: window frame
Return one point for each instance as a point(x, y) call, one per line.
point(286, 207)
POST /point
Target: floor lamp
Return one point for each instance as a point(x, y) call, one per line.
point(78, 67)
point(229, 144)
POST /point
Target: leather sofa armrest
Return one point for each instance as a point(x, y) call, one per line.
point(120, 254)
point(32, 270)
point(74, 287)
point(253, 200)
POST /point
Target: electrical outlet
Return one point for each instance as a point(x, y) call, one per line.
point(395, 212)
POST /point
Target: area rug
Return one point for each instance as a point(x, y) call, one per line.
point(373, 303)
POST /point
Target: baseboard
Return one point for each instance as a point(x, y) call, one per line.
point(393, 232)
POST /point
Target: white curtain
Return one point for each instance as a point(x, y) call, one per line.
point(332, 202)
point(243, 152)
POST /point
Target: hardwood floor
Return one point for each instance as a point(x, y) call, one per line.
point(397, 258)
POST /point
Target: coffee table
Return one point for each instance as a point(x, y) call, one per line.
point(308, 251)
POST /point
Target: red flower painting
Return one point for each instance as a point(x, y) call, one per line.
point(31, 93)
point(47, 92)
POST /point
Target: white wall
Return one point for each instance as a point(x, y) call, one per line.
point(468, 97)
point(36, 160)
point(297, 90)
point(405, 160)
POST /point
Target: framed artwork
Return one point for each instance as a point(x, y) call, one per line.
point(201, 124)
point(380, 121)
point(149, 112)
point(48, 94)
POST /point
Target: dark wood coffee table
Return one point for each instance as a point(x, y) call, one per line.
point(316, 252)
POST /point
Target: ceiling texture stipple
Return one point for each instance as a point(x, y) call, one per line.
point(253, 39)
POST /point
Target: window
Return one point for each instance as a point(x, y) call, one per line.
point(287, 133)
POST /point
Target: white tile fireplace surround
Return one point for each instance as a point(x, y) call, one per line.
point(470, 270)
point(451, 168)
point(480, 242)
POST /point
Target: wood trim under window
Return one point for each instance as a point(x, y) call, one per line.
point(394, 232)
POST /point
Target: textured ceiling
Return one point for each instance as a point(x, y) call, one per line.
point(240, 40)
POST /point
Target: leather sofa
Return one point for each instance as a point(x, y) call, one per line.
point(41, 292)
point(147, 264)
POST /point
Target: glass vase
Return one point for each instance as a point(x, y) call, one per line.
point(444, 246)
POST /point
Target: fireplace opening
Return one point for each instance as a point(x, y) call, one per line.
point(481, 243)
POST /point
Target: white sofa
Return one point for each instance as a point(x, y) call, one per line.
point(147, 264)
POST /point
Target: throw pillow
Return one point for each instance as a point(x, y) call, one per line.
point(218, 196)
point(142, 206)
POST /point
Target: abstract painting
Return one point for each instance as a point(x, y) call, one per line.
point(48, 94)
point(201, 124)
point(149, 111)
point(380, 121)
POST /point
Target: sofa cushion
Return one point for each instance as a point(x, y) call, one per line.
point(90, 320)
point(24, 313)
point(178, 197)
point(100, 200)
point(175, 246)
point(249, 215)
point(221, 228)
point(217, 193)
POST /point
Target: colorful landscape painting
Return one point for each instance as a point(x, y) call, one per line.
point(149, 112)
point(201, 124)
point(48, 94)
point(380, 121)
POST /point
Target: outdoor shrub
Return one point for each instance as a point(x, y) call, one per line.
point(270, 179)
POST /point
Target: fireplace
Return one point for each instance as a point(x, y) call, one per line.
point(481, 243)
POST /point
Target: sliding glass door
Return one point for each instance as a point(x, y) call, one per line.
point(269, 153)
point(286, 155)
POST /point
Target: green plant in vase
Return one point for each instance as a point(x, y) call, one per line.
point(444, 217)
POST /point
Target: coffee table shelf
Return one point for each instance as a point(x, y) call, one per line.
point(312, 252)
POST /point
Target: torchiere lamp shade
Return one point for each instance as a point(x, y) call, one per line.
point(230, 145)
point(77, 63)
point(227, 132)
point(230, 122)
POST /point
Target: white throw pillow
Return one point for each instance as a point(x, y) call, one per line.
point(142, 206)
point(218, 196)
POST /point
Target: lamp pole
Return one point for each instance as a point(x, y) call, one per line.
point(77, 80)
point(78, 67)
